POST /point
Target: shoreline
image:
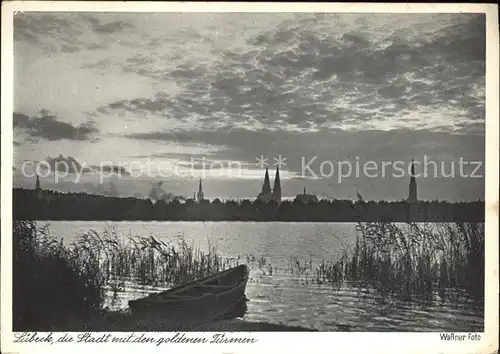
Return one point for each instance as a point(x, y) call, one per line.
point(89, 207)
point(124, 322)
point(117, 321)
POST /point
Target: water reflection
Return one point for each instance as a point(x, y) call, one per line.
point(282, 290)
point(352, 307)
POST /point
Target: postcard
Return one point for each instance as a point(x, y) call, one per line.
point(241, 178)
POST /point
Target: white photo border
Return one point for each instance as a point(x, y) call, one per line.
point(288, 342)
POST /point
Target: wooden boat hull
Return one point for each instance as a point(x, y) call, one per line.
point(212, 298)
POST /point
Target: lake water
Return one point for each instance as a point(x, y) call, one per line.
point(284, 297)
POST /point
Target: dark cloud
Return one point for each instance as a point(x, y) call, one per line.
point(30, 25)
point(67, 32)
point(47, 30)
point(47, 126)
point(156, 105)
point(299, 76)
point(435, 64)
point(402, 144)
point(337, 87)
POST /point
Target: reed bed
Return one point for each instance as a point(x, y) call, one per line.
point(403, 260)
point(49, 283)
point(53, 281)
point(147, 260)
point(412, 260)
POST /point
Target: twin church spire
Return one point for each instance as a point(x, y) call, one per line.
point(266, 187)
point(267, 194)
point(277, 187)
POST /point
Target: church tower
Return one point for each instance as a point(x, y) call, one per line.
point(277, 187)
point(37, 185)
point(266, 187)
point(412, 192)
point(200, 196)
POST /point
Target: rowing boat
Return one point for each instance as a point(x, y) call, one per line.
point(219, 296)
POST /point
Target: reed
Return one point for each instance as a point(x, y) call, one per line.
point(412, 260)
point(147, 260)
point(50, 284)
point(53, 281)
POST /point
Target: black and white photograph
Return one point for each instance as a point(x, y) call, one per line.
point(249, 172)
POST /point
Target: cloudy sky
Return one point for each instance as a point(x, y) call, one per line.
point(166, 89)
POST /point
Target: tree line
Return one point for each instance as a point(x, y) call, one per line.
point(30, 204)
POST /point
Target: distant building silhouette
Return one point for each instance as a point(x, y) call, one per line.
point(200, 196)
point(412, 189)
point(266, 195)
point(306, 198)
point(38, 189)
point(266, 187)
point(37, 184)
point(277, 187)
